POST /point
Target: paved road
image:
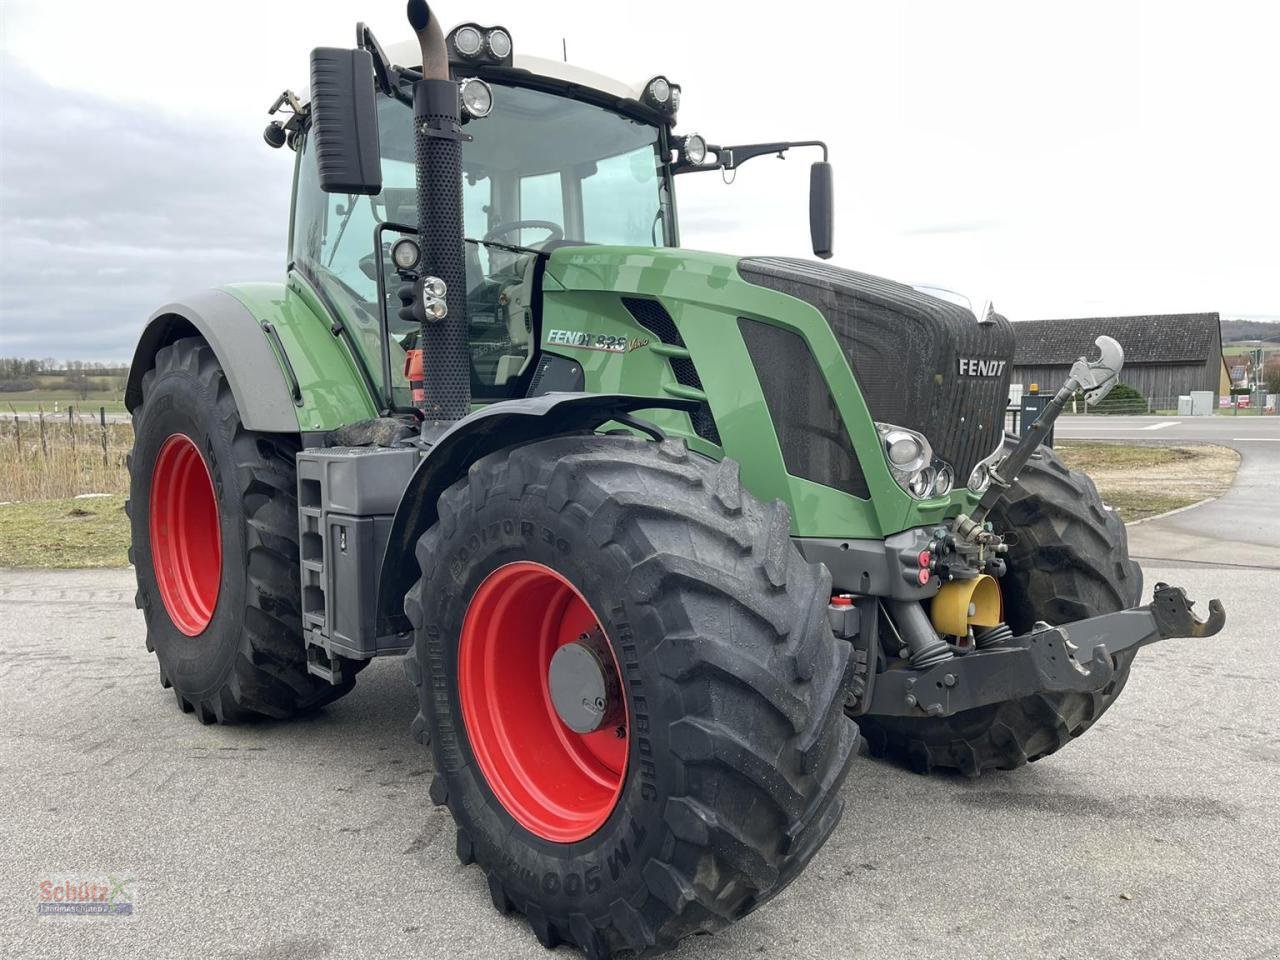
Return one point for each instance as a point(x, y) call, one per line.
point(315, 839)
point(1243, 526)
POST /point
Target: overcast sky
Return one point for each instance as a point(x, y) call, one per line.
point(1067, 160)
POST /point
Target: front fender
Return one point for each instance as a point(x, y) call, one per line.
point(495, 427)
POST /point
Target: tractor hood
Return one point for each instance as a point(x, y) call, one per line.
point(921, 362)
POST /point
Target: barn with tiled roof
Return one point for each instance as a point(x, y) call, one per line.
point(1166, 355)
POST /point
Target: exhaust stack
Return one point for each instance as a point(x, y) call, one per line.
point(446, 361)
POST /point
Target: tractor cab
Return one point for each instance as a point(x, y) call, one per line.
point(553, 155)
point(557, 156)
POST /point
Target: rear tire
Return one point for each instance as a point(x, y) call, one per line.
point(1069, 561)
point(235, 649)
point(733, 683)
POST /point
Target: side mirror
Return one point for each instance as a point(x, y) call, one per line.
point(821, 209)
point(344, 121)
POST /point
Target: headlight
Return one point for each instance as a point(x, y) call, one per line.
point(906, 450)
point(660, 90)
point(912, 463)
point(477, 98)
point(944, 481)
point(980, 478)
point(920, 485)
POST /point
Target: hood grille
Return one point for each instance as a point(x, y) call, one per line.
point(905, 349)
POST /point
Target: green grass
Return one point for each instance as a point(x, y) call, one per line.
point(64, 534)
point(31, 400)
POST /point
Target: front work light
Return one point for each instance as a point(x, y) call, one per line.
point(662, 95)
point(499, 43)
point(405, 254)
point(695, 149)
point(477, 98)
point(468, 41)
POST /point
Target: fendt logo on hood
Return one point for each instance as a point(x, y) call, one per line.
point(973, 367)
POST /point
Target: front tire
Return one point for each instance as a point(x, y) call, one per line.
point(733, 685)
point(1068, 560)
point(213, 509)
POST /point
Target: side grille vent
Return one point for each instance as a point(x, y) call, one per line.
point(653, 316)
point(815, 444)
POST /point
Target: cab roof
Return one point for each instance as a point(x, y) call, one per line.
point(406, 54)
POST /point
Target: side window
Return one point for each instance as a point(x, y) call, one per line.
point(348, 241)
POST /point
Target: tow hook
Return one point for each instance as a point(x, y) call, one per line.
point(1174, 617)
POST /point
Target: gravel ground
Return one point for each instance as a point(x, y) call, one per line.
point(1155, 836)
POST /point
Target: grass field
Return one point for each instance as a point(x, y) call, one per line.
point(55, 402)
point(65, 533)
point(1141, 481)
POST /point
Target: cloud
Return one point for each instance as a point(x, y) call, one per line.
point(109, 210)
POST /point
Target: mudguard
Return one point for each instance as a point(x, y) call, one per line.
point(262, 396)
point(286, 369)
point(495, 427)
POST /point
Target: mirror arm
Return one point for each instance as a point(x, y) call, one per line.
point(730, 158)
point(384, 72)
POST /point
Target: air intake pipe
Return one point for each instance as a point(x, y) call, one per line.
point(441, 292)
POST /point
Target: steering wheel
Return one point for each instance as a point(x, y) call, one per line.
point(511, 226)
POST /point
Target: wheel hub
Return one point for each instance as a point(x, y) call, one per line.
point(584, 685)
point(542, 702)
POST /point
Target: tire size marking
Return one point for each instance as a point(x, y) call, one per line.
point(446, 735)
point(625, 640)
point(503, 533)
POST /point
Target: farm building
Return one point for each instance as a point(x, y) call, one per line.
point(1165, 356)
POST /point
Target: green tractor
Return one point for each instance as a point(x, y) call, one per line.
point(651, 528)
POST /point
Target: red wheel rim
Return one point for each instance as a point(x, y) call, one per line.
point(186, 540)
point(557, 784)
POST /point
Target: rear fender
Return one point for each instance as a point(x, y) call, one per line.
point(286, 369)
point(495, 427)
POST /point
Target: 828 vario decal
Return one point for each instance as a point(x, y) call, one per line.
point(601, 342)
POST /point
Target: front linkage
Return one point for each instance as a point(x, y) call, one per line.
point(1075, 658)
point(935, 679)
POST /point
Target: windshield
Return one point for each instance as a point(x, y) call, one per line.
point(539, 170)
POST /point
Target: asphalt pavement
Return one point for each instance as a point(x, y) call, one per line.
point(1156, 835)
point(1241, 528)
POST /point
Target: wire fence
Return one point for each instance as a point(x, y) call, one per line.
point(46, 456)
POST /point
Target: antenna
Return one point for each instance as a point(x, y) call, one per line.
point(564, 45)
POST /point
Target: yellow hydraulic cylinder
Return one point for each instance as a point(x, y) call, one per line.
point(961, 604)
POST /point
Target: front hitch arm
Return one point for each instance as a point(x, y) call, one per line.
point(1174, 617)
point(1073, 658)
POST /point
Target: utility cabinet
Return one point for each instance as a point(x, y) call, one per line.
point(347, 497)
